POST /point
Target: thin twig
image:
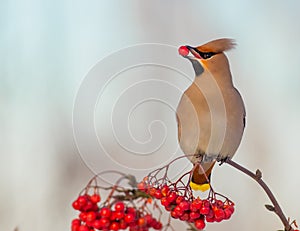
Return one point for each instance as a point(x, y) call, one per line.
point(258, 178)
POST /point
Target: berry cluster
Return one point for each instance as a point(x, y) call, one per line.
point(187, 208)
point(127, 205)
point(118, 216)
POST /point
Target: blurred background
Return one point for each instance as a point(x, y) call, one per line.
point(50, 48)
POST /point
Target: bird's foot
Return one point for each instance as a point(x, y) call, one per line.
point(222, 159)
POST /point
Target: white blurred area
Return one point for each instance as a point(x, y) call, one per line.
point(47, 47)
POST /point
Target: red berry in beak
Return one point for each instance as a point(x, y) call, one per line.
point(183, 50)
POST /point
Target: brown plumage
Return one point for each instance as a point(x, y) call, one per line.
point(211, 112)
point(217, 46)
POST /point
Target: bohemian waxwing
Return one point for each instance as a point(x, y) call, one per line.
point(211, 112)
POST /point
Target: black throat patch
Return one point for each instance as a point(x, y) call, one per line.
point(197, 67)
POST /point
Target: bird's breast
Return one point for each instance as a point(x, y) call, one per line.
point(210, 120)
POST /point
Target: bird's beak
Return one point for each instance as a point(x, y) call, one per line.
point(195, 59)
point(194, 53)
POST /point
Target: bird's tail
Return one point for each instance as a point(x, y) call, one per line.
point(201, 177)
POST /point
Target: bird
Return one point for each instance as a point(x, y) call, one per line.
point(211, 112)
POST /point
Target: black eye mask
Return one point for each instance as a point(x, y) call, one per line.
point(205, 55)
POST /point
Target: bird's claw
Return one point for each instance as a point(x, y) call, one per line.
point(222, 160)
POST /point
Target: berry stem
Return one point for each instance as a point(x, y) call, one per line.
point(258, 178)
point(168, 225)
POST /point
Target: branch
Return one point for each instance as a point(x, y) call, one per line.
point(258, 178)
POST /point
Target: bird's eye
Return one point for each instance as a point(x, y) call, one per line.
point(207, 55)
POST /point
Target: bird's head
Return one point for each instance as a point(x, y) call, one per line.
point(209, 56)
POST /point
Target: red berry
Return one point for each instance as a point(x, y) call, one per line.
point(152, 191)
point(178, 211)
point(148, 218)
point(174, 214)
point(118, 215)
point(91, 216)
point(206, 203)
point(210, 214)
point(210, 219)
point(82, 200)
point(179, 199)
point(88, 207)
point(82, 216)
point(104, 222)
point(158, 194)
point(75, 224)
point(231, 208)
point(76, 205)
point(219, 214)
point(168, 208)
point(164, 201)
point(123, 224)
point(95, 208)
point(141, 222)
point(196, 205)
point(184, 205)
point(89, 224)
point(142, 186)
point(184, 217)
point(194, 215)
point(95, 198)
point(183, 50)
point(114, 226)
point(119, 206)
point(75, 227)
point(219, 203)
point(200, 224)
point(97, 224)
point(204, 210)
point(228, 214)
point(83, 228)
point(129, 218)
point(157, 225)
point(171, 197)
point(113, 216)
point(130, 210)
point(105, 212)
point(165, 190)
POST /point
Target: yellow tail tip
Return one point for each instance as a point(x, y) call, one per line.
point(201, 187)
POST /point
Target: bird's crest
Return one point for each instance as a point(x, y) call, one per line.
point(218, 46)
